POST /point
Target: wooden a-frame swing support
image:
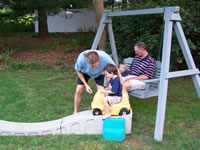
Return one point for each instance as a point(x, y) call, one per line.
point(172, 20)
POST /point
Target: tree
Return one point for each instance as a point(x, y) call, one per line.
point(99, 10)
point(148, 28)
point(44, 7)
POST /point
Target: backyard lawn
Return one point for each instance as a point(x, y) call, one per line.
point(35, 95)
point(38, 80)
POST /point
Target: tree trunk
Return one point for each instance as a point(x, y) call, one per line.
point(42, 21)
point(124, 4)
point(99, 10)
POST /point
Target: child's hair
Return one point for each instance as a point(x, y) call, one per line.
point(110, 68)
point(121, 63)
point(91, 56)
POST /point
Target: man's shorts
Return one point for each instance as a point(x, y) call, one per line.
point(99, 80)
point(135, 84)
point(113, 99)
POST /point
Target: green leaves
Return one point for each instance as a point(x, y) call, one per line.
point(129, 30)
point(148, 28)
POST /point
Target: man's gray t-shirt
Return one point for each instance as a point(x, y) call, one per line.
point(83, 66)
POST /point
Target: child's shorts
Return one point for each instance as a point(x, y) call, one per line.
point(113, 99)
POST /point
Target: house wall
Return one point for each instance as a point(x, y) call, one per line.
point(76, 20)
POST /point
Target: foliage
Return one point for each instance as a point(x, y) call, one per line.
point(47, 94)
point(59, 62)
point(22, 7)
point(10, 22)
point(7, 54)
point(149, 28)
point(24, 65)
point(129, 28)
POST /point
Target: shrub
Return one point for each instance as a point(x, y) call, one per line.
point(148, 28)
point(9, 22)
point(24, 65)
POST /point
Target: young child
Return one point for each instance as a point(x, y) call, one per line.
point(123, 70)
point(113, 95)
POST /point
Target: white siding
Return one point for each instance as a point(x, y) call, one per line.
point(76, 20)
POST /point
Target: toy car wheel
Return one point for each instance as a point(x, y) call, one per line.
point(123, 111)
point(96, 112)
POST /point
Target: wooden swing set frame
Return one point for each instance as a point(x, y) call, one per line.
point(172, 20)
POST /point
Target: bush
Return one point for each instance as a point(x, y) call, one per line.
point(130, 29)
point(9, 22)
point(148, 28)
point(24, 65)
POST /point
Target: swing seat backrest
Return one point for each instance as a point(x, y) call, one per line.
point(152, 85)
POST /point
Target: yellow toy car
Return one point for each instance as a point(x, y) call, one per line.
point(121, 108)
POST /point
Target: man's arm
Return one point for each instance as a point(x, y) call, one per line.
point(81, 77)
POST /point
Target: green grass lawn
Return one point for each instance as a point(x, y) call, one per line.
point(47, 94)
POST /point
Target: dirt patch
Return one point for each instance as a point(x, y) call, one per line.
point(136, 143)
point(54, 58)
point(51, 51)
point(192, 128)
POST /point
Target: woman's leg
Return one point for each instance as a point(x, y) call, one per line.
point(78, 97)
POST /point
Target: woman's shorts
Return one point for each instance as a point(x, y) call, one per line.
point(99, 80)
